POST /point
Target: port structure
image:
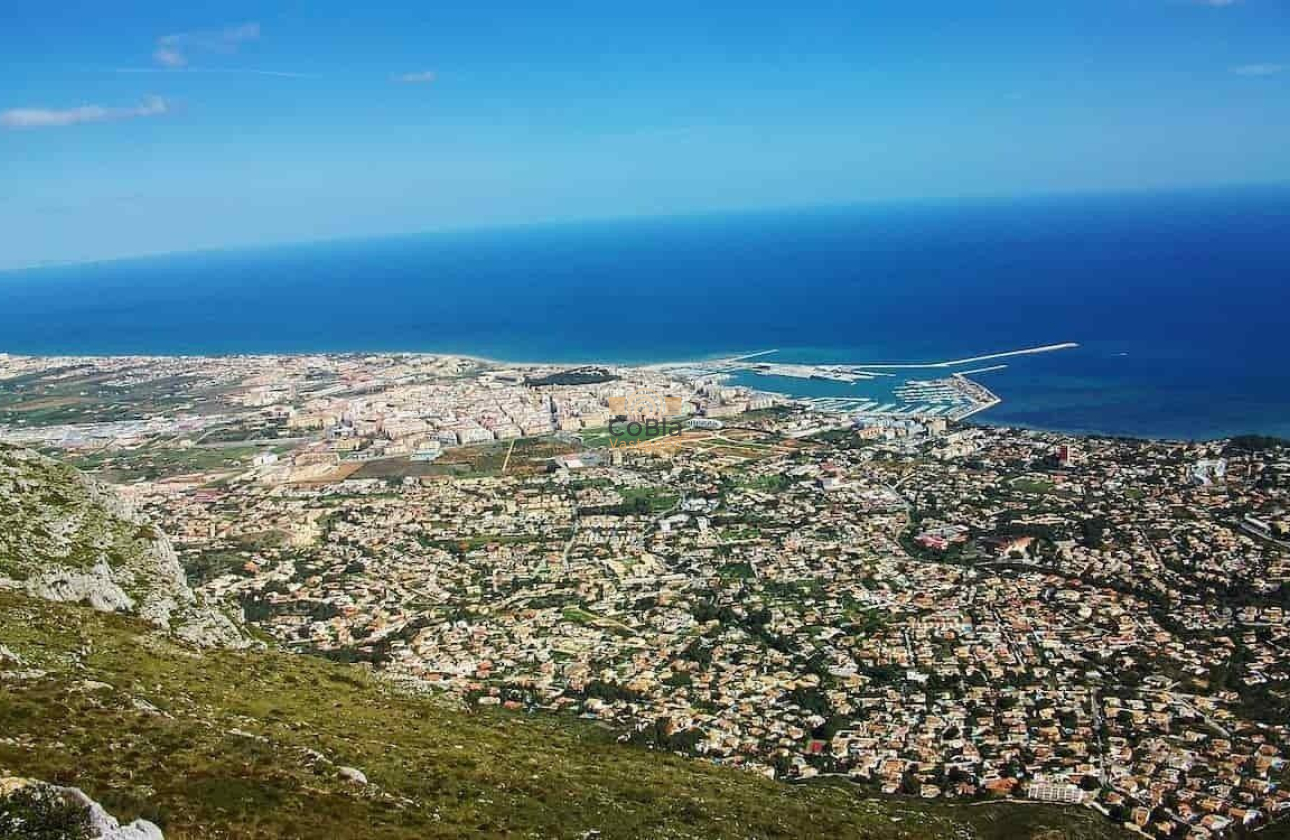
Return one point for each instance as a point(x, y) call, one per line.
point(954, 397)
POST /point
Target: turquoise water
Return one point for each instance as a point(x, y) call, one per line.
point(1179, 301)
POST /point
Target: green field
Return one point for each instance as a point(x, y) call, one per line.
point(1037, 486)
point(602, 437)
point(527, 456)
point(652, 499)
point(164, 460)
point(48, 399)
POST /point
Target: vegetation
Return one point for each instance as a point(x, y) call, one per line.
point(577, 376)
point(249, 745)
point(1037, 486)
point(622, 434)
point(767, 483)
point(36, 813)
point(78, 394)
point(49, 517)
point(149, 463)
point(518, 456)
point(639, 501)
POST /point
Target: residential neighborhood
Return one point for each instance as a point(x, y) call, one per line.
point(917, 608)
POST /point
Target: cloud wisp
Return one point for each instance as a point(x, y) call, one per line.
point(1264, 69)
point(153, 106)
point(423, 77)
point(173, 50)
point(225, 71)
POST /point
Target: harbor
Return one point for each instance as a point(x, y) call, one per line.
point(953, 398)
point(881, 392)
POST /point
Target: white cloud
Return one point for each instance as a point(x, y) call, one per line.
point(169, 57)
point(48, 117)
point(1258, 69)
point(424, 77)
point(173, 50)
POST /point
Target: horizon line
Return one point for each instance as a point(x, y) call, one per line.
point(897, 201)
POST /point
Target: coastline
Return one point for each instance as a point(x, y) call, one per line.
point(983, 415)
point(1145, 286)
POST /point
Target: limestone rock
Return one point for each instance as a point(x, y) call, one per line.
point(351, 774)
point(66, 537)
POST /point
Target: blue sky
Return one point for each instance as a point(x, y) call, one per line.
point(142, 127)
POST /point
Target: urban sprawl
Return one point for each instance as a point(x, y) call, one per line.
point(909, 603)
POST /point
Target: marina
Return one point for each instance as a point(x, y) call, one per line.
point(952, 397)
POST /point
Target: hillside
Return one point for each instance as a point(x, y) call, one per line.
point(67, 537)
point(251, 744)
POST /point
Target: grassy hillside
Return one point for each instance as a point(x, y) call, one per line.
point(249, 745)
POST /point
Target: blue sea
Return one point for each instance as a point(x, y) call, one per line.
point(1180, 302)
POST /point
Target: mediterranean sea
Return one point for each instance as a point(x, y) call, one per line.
point(1180, 302)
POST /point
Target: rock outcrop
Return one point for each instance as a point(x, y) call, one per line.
point(67, 537)
point(73, 813)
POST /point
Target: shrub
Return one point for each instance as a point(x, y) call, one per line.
point(42, 813)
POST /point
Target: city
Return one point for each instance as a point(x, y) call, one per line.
point(918, 607)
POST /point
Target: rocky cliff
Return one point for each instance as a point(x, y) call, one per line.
point(67, 537)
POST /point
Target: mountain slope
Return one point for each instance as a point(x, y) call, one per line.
point(256, 744)
point(67, 537)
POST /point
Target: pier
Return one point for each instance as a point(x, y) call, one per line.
point(855, 371)
point(1027, 351)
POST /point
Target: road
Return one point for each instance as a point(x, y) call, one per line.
point(235, 444)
